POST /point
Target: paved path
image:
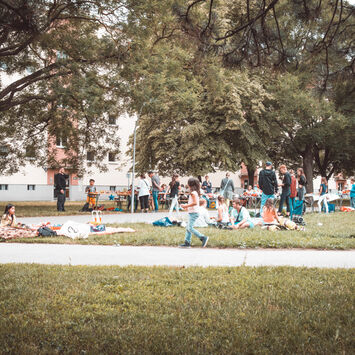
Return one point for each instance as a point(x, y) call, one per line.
point(107, 218)
point(148, 256)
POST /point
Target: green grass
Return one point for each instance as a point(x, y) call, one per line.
point(137, 310)
point(336, 232)
point(48, 208)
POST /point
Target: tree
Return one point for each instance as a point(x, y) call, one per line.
point(63, 70)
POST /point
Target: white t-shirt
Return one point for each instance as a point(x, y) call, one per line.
point(193, 209)
point(203, 219)
point(143, 186)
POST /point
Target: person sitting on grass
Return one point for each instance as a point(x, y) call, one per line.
point(9, 218)
point(222, 211)
point(203, 219)
point(269, 212)
point(240, 216)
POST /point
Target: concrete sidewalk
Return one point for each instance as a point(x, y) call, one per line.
point(62, 254)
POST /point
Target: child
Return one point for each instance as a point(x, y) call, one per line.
point(203, 219)
point(222, 217)
point(241, 216)
point(91, 192)
point(192, 209)
point(269, 212)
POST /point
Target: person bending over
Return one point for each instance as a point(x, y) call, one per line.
point(240, 216)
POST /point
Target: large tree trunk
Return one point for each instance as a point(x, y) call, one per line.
point(308, 168)
point(251, 172)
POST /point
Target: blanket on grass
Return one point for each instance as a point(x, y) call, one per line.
point(7, 233)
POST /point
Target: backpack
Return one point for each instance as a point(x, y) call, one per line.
point(46, 232)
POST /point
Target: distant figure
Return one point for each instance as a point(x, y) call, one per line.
point(302, 181)
point(286, 189)
point(323, 193)
point(60, 186)
point(156, 188)
point(129, 199)
point(91, 192)
point(293, 188)
point(174, 188)
point(143, 193)
point(267, 184)
point(207, 185)
point(227, 189)
point(352, 193)
point(91, 187)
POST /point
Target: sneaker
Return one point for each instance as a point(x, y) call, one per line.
point(204, 241)
point(185, 245)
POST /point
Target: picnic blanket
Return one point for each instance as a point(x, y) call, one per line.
point(7, 233)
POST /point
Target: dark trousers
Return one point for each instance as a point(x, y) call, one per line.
point(285, 197)
point(60, 201)
point(129, 198)
point(144, 202)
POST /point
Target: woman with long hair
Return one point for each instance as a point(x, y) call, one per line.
point(192, 209)
point(9, 218)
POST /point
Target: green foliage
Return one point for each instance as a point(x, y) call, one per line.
point(66, 309)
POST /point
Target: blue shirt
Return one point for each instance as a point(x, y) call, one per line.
point(352, 191)
point(242, 214)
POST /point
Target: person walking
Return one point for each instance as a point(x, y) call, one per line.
point(323, 194)
point(286, 190)
point(174, 188)
point(143, 193)
point(227, 189)
point(60, 183)
point(156, 188)
point(192, 209)
point(267, 184)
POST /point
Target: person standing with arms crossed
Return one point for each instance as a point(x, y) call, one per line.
point(60, 184)
point(155, 189)
point(267, 184)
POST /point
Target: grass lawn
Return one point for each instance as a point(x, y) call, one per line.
point(48, 208)
point(336, 232)
point(140, 310)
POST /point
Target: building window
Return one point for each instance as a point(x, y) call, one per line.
point(30, 152)
point(113, 188)
point(31, 187)
point(4, 150)
point(90, 156)
point(61, 55)
point(112, 120)
point(4, 187)
point(112, 157)
point(60, 140)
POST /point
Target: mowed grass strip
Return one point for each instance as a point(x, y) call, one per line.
point(333, 231)
point(140, 310)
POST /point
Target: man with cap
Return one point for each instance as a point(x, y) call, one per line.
point(267, 184)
